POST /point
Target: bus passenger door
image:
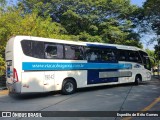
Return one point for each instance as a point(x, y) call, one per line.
point(49, 81)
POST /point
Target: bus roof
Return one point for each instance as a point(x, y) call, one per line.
point(116, 46)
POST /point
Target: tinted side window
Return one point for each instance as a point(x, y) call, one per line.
point(26, 47)
point(74, 52)
point(138, 58)
point(33, 48)
point(108, 55)
point(100, 54)
point(92, 54)
point(37, 49)
point(53, 51)
point(122, 55)
point(134, 56)
point(128, 55)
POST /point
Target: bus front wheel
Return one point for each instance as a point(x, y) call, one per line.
point(138, 79)
point(68, 87)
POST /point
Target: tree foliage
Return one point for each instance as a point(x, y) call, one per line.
point(152, 20)
point(108, 21)
point(152, 14)
point(153, 57)
point(15, 22)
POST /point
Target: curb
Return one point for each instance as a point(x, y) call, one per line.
point(4, 92)
point(3, 88)
point(155, 77)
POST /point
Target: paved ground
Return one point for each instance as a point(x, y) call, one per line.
point(145, 97)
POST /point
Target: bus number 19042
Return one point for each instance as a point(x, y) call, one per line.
point(49, 77)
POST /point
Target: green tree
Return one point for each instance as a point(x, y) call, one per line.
point(153, 57)
point(109, 20)
point(152, 14)
point(2, 63)
point(151, 20)
point(15, 22)
point(2, 5)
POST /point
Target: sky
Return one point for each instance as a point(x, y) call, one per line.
point(12, 1)
point(138, 2)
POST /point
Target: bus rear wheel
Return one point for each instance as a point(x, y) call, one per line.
point(68, 87)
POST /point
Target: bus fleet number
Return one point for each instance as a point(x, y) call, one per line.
point(49, 77)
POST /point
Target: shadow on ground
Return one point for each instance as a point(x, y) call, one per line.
point(154, 81)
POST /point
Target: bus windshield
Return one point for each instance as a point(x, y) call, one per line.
point(146, 60)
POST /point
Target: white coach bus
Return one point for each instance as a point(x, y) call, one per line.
point(35, 64)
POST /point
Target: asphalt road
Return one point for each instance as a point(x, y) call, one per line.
point(126, 97)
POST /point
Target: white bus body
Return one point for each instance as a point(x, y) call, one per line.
point(35, 64)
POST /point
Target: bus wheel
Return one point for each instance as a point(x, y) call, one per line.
point(137, 80)
point(68, 87)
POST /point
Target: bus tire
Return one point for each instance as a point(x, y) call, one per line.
point(138, 79)
point(68, 87)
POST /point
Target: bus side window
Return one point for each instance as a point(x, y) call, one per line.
point(26, 47)
point(138, 58)
point(121, 55)
point(33, 48)
point(134, 56)
point(110, 55)
point(101, 54)
point(131, 56)
point(92, 54)
point(79, 52)
point(38, 49)
point(74, 52)
point(53, 51)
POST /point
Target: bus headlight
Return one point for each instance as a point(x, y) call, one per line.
point(148, 74)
